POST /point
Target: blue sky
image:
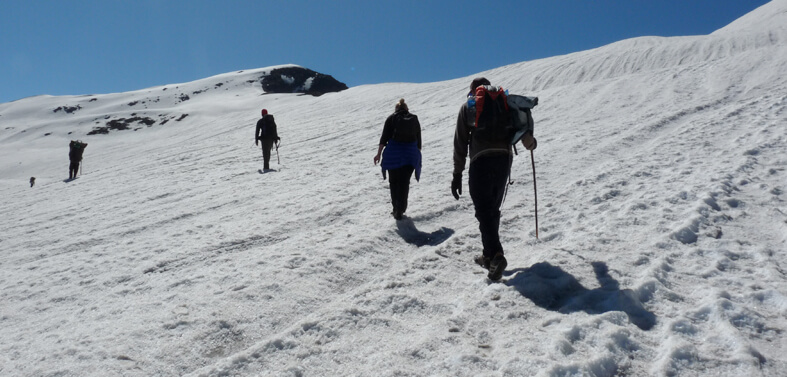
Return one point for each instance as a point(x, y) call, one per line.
point(77, 47)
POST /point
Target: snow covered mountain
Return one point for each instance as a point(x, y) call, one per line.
point(663, 226)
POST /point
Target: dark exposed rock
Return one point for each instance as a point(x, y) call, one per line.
point(99, 131)
point(300, 80)
point(68, 109)
point(121, 124)
point(146, 121)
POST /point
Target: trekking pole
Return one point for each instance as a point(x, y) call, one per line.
point(278, 161)
point(535, 194)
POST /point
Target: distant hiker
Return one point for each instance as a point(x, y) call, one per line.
point(401, 141)
point(76, 149)
point(266, 132)
point(490, 166)
point(32, 181)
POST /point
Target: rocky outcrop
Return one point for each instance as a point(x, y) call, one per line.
point(300, 80)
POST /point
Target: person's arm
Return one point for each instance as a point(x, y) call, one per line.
point(379, 153)
point(387, 135)
point(257, 132)
point(461, 145)
point(388, 130)
point(419, 133)
point(461, 142)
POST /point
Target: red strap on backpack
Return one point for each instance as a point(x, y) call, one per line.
point(480, 94)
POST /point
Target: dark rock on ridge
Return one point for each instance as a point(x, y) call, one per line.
point(300, 80)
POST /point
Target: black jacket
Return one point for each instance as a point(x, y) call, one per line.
point(464, 141)
point(266, 128)
point(402, 126)
point(76, 150)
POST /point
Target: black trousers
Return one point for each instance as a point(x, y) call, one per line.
point(73, 169)
point(488, 179)
point(267, 145)
point(399, 179)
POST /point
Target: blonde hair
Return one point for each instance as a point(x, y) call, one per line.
point(401, 105)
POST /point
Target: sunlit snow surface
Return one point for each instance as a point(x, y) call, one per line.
point(662, 245)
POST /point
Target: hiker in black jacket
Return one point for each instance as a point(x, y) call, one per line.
point(490, 165)
point(401, 141)
point(266, 132)
point(75, 150)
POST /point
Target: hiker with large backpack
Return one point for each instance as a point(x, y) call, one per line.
point(75, 150)
point(266, 132)
point(400, 147)
point(487, 128)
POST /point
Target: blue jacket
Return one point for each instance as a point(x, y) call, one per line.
point(398, 154)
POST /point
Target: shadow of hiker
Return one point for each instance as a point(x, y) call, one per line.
point(554, 289)
point(407, 230)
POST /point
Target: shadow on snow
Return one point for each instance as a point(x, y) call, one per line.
point(554, 289)
point(407, 230)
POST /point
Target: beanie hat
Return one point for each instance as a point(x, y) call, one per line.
point(478, 81)
point(264, 112)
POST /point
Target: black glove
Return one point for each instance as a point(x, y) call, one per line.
point(257, 141)
point(278, 139)
point(529, 142)
point(456, 186)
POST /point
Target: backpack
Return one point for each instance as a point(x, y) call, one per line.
point(500, 117)
point(406, 127)
point(76, 148)
point(519, 107)
point(264, 132)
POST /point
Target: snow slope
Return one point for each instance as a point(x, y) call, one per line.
point(663, 226)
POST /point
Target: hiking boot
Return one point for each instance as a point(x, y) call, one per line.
point(397, 214)
point(497, 265)
point(482, 261)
